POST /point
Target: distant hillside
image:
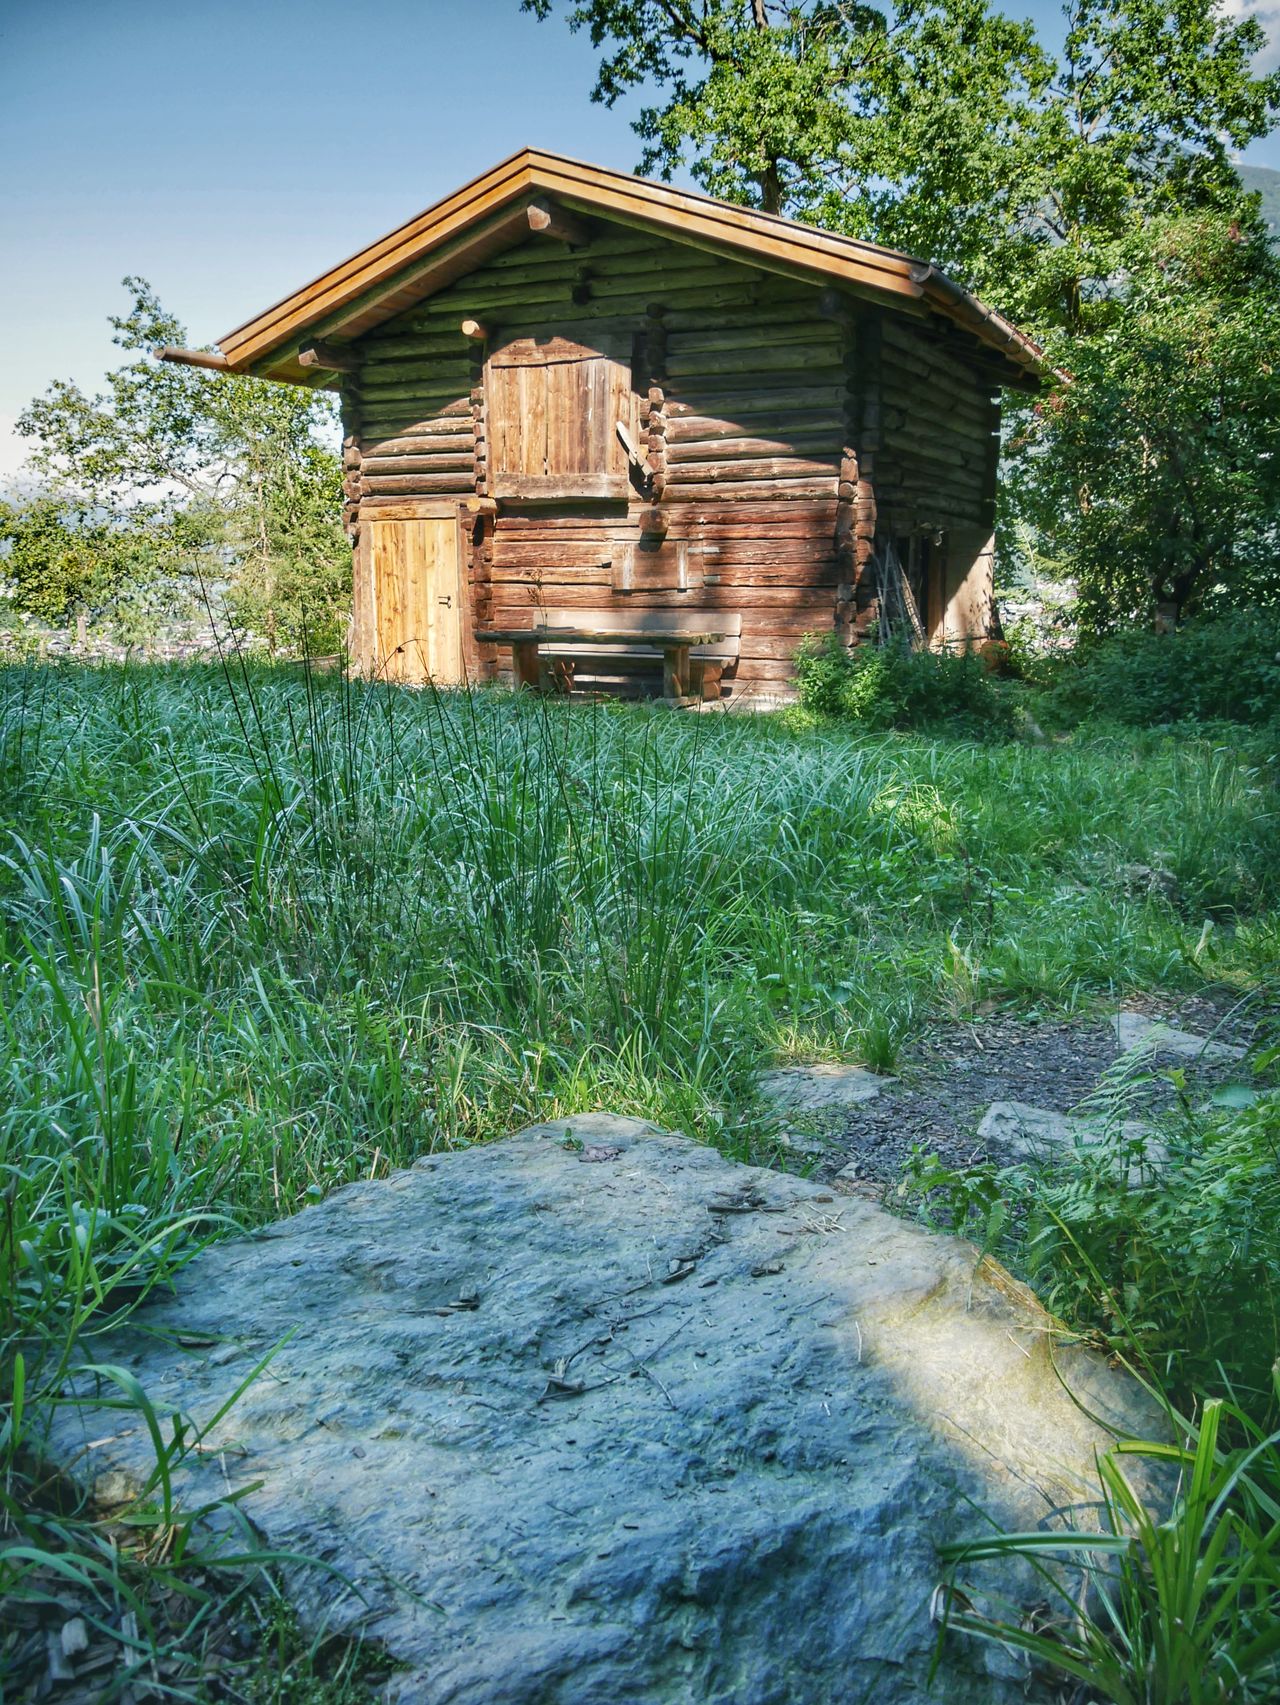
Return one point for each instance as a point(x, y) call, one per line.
point(1267, 183)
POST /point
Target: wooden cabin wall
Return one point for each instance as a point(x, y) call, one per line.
point(940, 433)
point(936, 466)
point(742, 417)
point(784, 431)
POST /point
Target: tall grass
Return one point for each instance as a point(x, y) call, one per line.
point(263, 933)
point(1160, 1245)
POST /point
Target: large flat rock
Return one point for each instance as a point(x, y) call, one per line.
point(815, 1089)
point(1042, 1133)
point(1139, 1030)
point(593, 1415)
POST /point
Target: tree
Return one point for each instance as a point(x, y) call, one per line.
point(942, 127)
point(1137, 123)
point(174, 470)
point(887, 124)
point(1157, 470)
point(61, 559)
point(1057, 186)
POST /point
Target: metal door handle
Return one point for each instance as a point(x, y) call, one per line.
point(447, 600)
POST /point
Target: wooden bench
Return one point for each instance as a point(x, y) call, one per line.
point(706, 662)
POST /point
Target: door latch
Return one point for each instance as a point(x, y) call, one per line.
point(447, 599)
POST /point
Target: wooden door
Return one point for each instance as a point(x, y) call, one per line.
point(553, 407)
point(418, 594)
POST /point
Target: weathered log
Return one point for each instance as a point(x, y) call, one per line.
point(688, 276)
point(693, 321)
point(763, 469)
point(753, 397)
point(769, 334)
point(549, 219)
point(682, 450)
point(752, 422)
point(426, 358)
point(798, 489)
point(455, 443)
point(331, 357)
point(424, 485)
point(392, 423)
point(795, 359)
point(417, 390)
point(429, 464)
point(553, 296)
point(935, 447)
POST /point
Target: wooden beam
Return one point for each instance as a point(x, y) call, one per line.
point(630, 446)
point(193, 358)
point(547, 219)
point(332, 357)
point(474, 330)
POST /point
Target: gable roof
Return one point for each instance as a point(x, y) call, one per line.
point(491, 213)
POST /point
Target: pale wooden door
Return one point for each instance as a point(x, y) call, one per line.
point(418, 596)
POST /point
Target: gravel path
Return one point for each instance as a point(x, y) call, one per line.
point(949, 1077)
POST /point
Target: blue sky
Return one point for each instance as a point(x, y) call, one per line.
point(227, 151)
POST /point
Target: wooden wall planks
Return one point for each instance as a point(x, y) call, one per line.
point(750, 400)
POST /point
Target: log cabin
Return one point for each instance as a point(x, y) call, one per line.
point(580, 402)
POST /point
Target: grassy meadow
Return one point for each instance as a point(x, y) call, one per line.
point(264, 932)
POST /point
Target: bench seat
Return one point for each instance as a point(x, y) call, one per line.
point(626, 669)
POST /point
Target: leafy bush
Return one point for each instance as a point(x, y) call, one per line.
point(1176, 1609)
point(1163, 1240)
point(1226, 669)
point(892, 687)
point(1165, 1244)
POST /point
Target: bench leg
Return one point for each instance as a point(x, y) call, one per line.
point(557, 675)
point(524, 657)
point(704, 678)
point(675, 672)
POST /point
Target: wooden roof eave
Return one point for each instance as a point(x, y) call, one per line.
point(675, 213)
point(490, 214)
point(1000, 336)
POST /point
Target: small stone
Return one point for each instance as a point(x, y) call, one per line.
point(800, 1142)
point(1037, 1133)
point(1145, 881)
point(59, 1668)
point(812, 1088)
point(1138, 1030)
point(112, 1489)
point(75, 1637)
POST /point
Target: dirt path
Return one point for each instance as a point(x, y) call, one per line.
point(948, 1078)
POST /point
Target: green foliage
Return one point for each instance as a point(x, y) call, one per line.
point(942, 126)
point(1183, 1273)
point(59, 559)
point(64, 555)
point(178, 472)
point(1163, 1243)
point(1157, 469)
point(1162, 1239)
point(891, 686)
point(1180, 1608)
point(1222, 670)
point(264, 934)
point(1089, 192)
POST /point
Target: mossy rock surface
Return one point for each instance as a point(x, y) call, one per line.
point(594, 1414)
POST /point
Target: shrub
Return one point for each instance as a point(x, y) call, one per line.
point(1225, 669)
point(893, 687)
point(1163, 1244)
point(1163, 1240)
